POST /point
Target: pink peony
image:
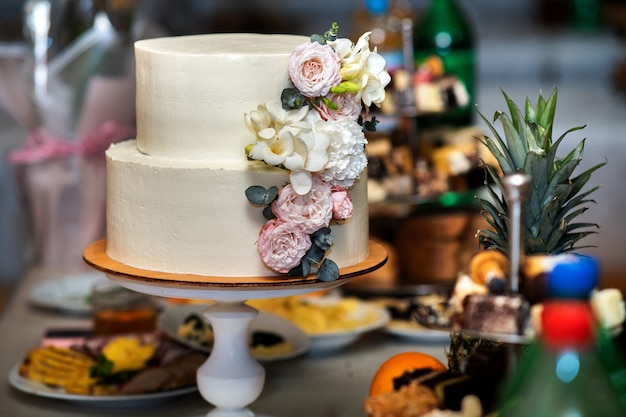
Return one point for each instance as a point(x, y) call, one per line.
point(314, 69)
point(342, 203)
point(347, 105)
point(282, 245)
point(309, 212)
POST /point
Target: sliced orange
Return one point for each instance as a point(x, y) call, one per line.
point(397, 365)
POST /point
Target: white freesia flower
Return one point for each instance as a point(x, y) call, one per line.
point(272, 153)
point(286, 138)
point(259, 119)
point(270, 118)
point(281, 134)
point(363, 67)
point(316, 156)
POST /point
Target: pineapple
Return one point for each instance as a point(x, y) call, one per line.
point(556, 197)
point(554, 200)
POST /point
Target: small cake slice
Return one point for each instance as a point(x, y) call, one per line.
point(490, 313)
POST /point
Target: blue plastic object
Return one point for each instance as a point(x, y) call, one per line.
point(377, 7)
point(574, 278)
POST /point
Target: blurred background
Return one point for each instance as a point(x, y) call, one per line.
point(523, 47)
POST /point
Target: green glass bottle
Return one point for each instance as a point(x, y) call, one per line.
point(445, 65)
point(563, 376)
point(566, 373)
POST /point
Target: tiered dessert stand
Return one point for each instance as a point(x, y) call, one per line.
point(231, 378)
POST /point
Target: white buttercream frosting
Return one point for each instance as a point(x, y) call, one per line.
point(176, 195)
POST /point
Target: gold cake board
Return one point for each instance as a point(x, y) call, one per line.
point(95, 255)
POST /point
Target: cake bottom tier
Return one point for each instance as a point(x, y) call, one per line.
point(192, 217)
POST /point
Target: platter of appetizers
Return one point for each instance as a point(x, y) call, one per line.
point(109, 371)
point(132, 400)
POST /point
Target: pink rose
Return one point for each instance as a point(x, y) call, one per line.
point(282, 245)
point(309, 212)
point(342, 203)
point(314, 69)
point(347, 105)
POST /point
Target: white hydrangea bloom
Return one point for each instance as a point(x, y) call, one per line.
point(346, 155)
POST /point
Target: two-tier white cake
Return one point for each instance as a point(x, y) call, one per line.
point(176, 195)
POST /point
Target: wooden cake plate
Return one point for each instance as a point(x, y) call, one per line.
point(231, 378)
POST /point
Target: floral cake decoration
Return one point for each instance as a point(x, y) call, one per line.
point(316, 132)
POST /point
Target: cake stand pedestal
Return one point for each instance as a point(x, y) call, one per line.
point(231, 378)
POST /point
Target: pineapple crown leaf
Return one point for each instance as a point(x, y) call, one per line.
point(571, 160)
point(497, 222)
point(516, 114)
point(581, 180)
point(488, 239)
point(567, 211)
point(540, 165)
point(496, 202)
point(579, 200)
point(545, 111)
point(543, 165)
point(568, 242)
point(495, 150)
point(497, 146)
point(518, 148)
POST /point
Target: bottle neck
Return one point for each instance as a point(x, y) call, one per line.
point(443, 22)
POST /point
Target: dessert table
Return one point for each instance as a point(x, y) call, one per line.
point(330, 384)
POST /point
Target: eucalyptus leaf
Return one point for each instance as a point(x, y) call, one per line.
point(315, 254)
point(268, 214)
point(302, 270)
point(328, 271)
point(271, 195)
point(318, 38)
point(292, 99)
point(256, 194)
point(323, 238)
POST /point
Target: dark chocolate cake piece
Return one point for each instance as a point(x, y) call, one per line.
point(491, 313)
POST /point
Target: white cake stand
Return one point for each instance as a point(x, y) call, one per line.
point(231, 378)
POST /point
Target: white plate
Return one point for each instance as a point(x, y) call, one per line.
point(69, 293)
point(416, 332)
point(172, 317)
point(42, 390)
point(329, 341)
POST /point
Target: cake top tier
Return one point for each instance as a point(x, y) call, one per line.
point(193, 91)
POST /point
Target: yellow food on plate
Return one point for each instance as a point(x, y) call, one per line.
point(59, 367)
point(128, 354)
point(315, 315)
